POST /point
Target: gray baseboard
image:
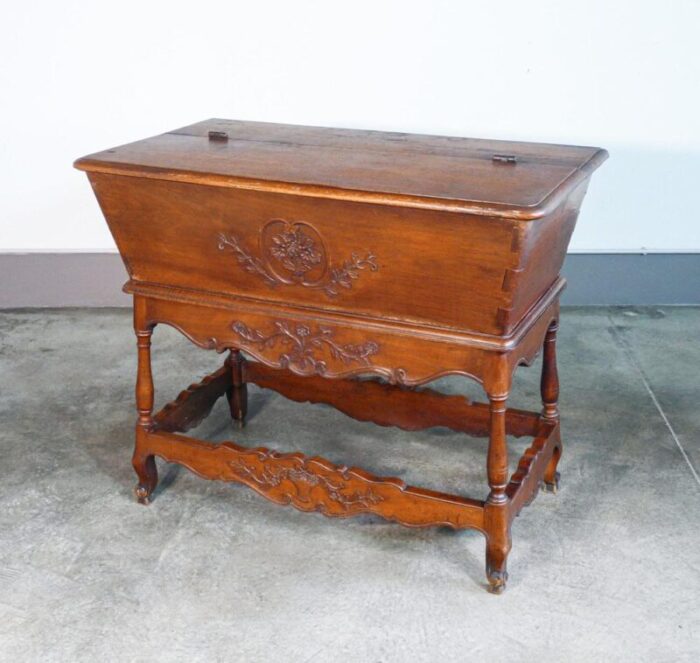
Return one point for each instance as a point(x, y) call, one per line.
point(94, 279)
point(62, 279)
point(632, 279)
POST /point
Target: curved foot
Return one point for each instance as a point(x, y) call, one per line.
point(498, 544)
point(496, 569)
point(497, 580)
point(145, 468)
point(551, 486)
point(550, 482)
point(143, 494)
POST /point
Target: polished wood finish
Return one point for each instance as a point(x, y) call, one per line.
point(143, 461)
point(401, 170)
point(382, 261)
point(549, 383)
point(391, 405)
point(238, 391)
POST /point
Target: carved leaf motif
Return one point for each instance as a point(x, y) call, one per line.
point(350, 270)
point(248, 262)
point(297, 252)
point(301, 344)
point(303, 486)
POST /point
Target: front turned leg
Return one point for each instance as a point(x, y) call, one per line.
point(496, 518)
point(143, 462)
point(549, 388)
point(238, 392)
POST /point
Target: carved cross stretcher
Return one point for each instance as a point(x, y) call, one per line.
point(332, 254)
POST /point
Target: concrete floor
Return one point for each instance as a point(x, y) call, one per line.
point(608, 569)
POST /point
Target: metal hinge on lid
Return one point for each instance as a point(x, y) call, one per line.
point(504, 158)
point(218, 135)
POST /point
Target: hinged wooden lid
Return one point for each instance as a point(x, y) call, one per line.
point(485, 177)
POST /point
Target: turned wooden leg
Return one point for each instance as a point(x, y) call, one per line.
point(549, 387)
point(143, 462)
point(497, 524)
point(238, 392)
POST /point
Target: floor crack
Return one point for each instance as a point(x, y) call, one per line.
point(629, 352)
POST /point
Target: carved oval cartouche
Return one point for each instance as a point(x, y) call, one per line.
point(293, 253)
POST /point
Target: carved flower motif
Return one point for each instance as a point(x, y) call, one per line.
point(299, 253)
point(303, 347)
point(296, 251)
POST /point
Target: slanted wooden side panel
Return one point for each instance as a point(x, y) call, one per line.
point(542, 251)
point(431, 267)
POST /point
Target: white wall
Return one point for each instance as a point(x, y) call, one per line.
point(76, 77)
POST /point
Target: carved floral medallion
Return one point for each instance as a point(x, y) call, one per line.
point(305, 350)
point(293, 253)
point(296, 251)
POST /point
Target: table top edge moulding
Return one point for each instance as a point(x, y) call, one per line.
point(380, 260)
point(157, 158)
